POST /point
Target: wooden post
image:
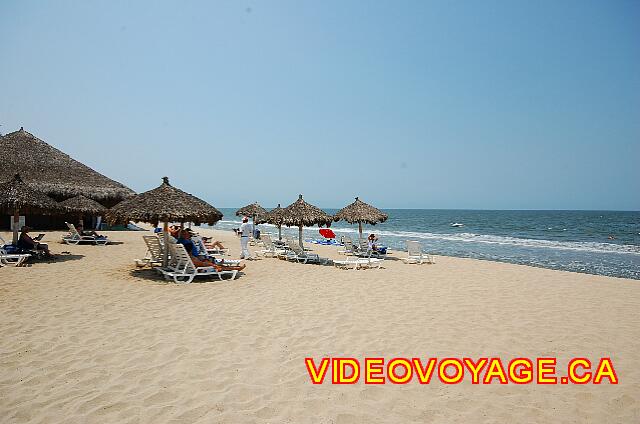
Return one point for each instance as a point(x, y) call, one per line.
point(360, 229)
point(300, 237)
point(280, 232)
point(165, 253)
point(16, 221)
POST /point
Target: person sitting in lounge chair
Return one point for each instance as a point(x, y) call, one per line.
point(174, 230)
point(91, 233)
point(201, 261)
point(184, 238)
point(212, 244)
point(27, 243)
point(372, 240)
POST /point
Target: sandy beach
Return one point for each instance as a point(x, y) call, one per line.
point(91, 339)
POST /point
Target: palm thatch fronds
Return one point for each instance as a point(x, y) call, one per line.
point(165, 203)
point(303, 214)
point(361, 212)
point(83, 205)
point(17, 197)
point(275, 216)
point(253, 210)
point(52, 172)
point(15, 194)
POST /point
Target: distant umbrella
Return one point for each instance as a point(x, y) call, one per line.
point(83, 205)
point(17, 196)
point(360, 212)
point(275, 217)
point(255, 211)
point(302, 214)
point(164, 204)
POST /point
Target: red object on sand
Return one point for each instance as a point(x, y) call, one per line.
point(327, 233)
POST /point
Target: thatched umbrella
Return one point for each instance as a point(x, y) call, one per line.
point(276, 217)
point(83, 205)
point(167, 204)
point(302, 214)
point(360, 212)
point(255, 211)
point(16, 197)
point(53, 172)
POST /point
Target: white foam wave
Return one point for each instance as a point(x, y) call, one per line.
point(593, 247)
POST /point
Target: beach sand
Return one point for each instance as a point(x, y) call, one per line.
point(91, 339)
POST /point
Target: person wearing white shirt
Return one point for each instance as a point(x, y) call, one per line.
point(245, 231)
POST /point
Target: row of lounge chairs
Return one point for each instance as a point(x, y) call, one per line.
point(180, 267)
point(359, 256)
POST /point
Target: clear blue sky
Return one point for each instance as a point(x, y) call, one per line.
point(421, 104)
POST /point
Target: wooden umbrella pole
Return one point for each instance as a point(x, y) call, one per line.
point(253, 227)
point(165, 253)
point(80, 220)
point(360, 230)
point(280, 232)
point(300, 237)
point(16, 221)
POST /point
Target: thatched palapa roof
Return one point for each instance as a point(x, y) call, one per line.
point(83, 204)
point(15, 195)
point(254, 210)
point(275, 216)
point(360, 211)
point(301, 213)
point(165, 203)
point(51, 171)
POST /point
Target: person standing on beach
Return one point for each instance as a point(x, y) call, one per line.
point(245, 231)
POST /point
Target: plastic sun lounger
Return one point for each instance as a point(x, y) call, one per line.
point(184, 271)
point(154, 252)
point(359, 262)
point(74, 237)
point(206, 251)
point(296, 253)
point(270, 248)
point(12, 259)
point(349, 248)
point(415, 255)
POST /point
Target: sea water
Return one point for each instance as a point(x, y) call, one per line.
point(594, 242)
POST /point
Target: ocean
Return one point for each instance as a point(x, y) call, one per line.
point(593, 242)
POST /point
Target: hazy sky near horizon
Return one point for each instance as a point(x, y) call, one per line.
point(417, 104)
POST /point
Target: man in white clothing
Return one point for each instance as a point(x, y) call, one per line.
point(245, 231)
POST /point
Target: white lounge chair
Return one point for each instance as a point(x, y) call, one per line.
point(270, 249)
point(415, 255)
point(12, 259)
point(154, 252)
point(361, 261)
point(348, 248)
point(298, 254)
point(210, 251)
point(182, 269)
point(74, 237)
point(207, 253)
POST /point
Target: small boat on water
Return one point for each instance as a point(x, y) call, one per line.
point(457, 224)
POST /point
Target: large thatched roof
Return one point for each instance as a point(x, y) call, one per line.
point(164, 203)
point(275, 216)
point(253, 210)
point(360, 211)
point(17, 195)
point(83, 205)
point(305, 214)
point(47, 169)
